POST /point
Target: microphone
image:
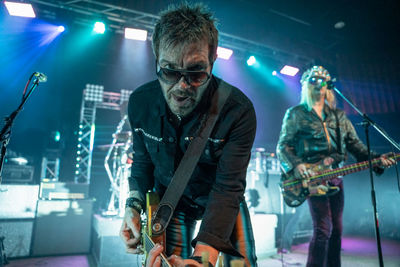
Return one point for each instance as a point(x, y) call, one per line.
point(329, 84)
point(41, 77)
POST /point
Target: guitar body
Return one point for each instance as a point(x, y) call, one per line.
point(149, 239)
point(294, 194)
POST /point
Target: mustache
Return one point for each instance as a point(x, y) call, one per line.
point(180, 93)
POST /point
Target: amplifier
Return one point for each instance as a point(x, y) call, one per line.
point(61, 190)
point(62, 227)
point(17, 173)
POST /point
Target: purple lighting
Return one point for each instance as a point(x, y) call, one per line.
point(289, 70)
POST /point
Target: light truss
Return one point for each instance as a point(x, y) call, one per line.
point(117, 18)
point(94, 97)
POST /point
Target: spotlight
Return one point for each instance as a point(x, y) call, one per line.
point(224, 53)
point(99, 27)
point(20, 9)
point(289, 70)
point(135, 34)
point(251, 61)
point(61, 28)
point(274, 73)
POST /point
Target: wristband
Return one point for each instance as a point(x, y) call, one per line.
point(134, 203)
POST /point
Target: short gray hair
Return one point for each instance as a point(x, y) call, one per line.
point(186, 24)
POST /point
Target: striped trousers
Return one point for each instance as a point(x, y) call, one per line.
point(181, 230)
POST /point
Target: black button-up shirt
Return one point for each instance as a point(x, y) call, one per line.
point(218, 182)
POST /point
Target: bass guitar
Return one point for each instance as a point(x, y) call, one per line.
point(294, 194)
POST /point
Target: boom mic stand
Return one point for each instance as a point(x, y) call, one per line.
point(367, 121)
point(5, 135)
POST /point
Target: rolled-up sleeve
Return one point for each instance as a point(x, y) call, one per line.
point(228, 190)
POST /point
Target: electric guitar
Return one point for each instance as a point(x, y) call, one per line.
point(294, 194)
point(148, 239)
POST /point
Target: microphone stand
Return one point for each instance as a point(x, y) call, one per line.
point(5, 133)
point(367, 121)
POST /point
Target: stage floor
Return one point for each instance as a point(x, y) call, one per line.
point(355, 252)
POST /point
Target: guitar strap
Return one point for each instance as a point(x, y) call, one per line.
point(189, 161)
point(338, 137)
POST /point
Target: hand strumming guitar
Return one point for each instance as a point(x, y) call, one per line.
point(130, 231)
point(154, 259)
point(305, 174)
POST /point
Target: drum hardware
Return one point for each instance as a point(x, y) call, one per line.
point(119, 170)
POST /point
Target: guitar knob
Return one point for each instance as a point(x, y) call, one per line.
point(157, 227)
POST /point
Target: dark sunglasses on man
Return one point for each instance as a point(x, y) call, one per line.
point(172, 76)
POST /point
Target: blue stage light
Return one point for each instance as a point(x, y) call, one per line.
point(251, 61)
point(99, 27)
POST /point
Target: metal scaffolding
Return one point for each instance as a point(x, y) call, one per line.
point(93, 98)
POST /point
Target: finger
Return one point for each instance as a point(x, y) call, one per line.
point(134, 250)
point(304, 183)
point(175, 260)
point(154, 254)
point(157, 262)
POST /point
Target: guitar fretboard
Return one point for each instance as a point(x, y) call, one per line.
point(330, 174)
point(149, 244)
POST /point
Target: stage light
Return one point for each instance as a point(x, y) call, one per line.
point(61, 28)
point(274, 73)
point(57, 136)
point(251, 61)
point(224, 53)
point(135, 34)
point(99, 27)
point(20, 9)
point(289, 70)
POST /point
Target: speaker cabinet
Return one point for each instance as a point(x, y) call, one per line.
point(17, 235)
point(18, 201)
point(62, 227)
point(107, 247)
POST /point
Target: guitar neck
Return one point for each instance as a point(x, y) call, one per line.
point(149, 244)
point(352, 168)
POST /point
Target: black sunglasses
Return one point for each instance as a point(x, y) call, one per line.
point(172, 76)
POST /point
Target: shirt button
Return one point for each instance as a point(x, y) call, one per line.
point(171, 139)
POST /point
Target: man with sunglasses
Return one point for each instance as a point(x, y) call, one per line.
point(316, 131)
point(165, 115)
